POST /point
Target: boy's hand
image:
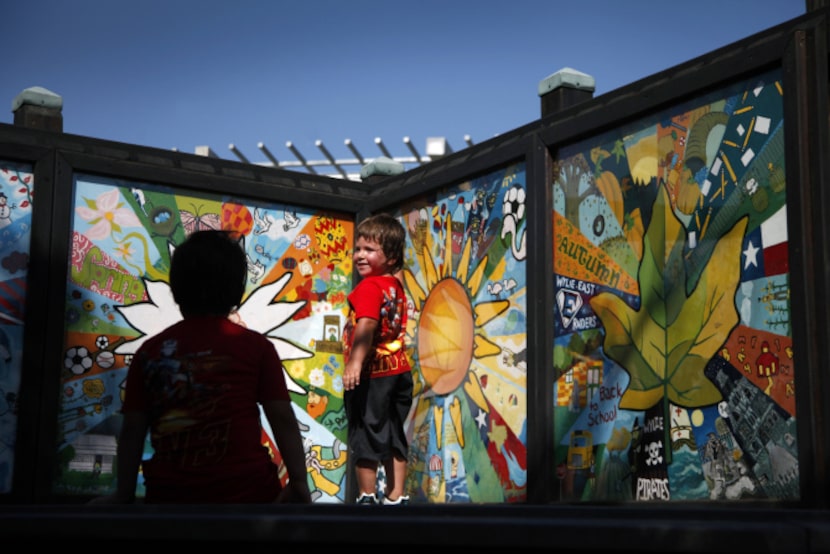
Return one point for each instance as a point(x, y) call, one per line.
point(295, 492)
point(351, 376)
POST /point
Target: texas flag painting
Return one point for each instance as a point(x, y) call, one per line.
point(764, 250)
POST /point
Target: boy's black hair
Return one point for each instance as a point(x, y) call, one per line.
point(208, 272)
point(387, 232)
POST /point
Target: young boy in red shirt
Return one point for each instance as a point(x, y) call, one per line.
point(196, 387)
point(377, 379)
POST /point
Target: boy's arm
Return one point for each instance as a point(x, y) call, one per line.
point(130, 451)
point(286, 432)
point(362, 337)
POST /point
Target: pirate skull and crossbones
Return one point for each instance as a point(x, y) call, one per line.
point(653, 450)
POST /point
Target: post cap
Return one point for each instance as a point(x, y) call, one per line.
point(567, 77)
point(37, 96)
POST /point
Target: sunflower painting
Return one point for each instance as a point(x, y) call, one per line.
point(465, 281)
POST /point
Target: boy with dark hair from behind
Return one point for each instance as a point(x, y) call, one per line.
point(197, 387)
point(377, 379)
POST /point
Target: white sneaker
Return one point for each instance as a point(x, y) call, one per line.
point(367, 499)
point(400, 501)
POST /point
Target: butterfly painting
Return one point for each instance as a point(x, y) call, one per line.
point(196, 221)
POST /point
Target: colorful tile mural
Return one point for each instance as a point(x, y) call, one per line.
point(673, 347)
point(16, 197)
point(123, 233)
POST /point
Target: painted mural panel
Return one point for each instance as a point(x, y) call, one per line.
point(123, 233)
point(673, 349)
point(16, 196)
point(467, 340)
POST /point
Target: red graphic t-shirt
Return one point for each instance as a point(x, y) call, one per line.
point(200, 381)
point(380, 298)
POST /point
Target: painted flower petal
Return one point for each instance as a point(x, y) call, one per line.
point(258, 312)
point(261, 313)
point(86, 214)
point(100, 230)
point(126, 218)
point(107, 201)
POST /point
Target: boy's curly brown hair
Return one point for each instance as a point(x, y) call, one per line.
point(388, 232)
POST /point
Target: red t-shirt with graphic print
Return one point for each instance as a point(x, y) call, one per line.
point(382, 298)
point(200, 381)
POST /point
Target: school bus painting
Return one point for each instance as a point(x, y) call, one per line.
point(577, 472)
point(581, 450)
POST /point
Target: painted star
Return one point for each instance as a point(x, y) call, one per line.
point(751, 254)
point(481, 419)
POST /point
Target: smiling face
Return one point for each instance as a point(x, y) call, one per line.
point(369, 258)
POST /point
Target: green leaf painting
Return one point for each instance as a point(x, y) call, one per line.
point(666, 343)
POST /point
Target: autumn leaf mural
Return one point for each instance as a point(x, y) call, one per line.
point(666, 344)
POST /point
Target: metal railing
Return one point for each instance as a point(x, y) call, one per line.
point(329, 166)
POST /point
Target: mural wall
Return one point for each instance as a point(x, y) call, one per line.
point(465, 278)
point(16, 195)
point(675, 378)
point(123, 233)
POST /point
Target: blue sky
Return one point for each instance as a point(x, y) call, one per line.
point(185, 73)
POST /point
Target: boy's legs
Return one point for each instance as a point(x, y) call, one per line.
point(356, 402)
point(385, 404)
point(395, 476)
point(367, 475)
point(395, 466)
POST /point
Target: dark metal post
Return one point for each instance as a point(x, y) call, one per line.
point(564, 89)
point(38, 108)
